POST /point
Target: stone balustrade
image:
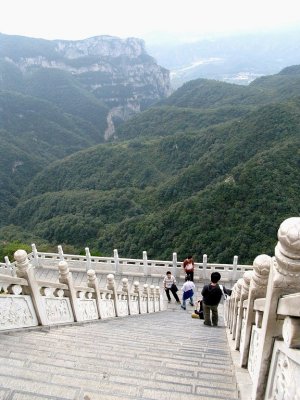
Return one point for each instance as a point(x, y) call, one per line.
point(263, 318)
point(28, 302)
point(136, 267)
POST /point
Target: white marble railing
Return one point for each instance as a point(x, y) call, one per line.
point(263, 317)
point(136, 267)
point(27, 302)
point(7, 268)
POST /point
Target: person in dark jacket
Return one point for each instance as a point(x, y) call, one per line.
point(212, 295)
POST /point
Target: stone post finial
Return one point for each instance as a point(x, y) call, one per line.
point(91, 275)
point(287, 251)
point(136, 286)
point(63, 269)
point(110, 282)
point(22, 262)
point(125, 285)
point(145, 288)
point(238, 287)
point(261, 267)
point(152, 290)
point(246, 282)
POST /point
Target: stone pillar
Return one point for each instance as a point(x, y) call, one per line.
point(35, 255)
point(234, 270)
point(116, 259)
point(136, 289)
point(152, 296)
point(244, 295)
point(25, 270)
point(65, 276)
point(145, 262)
point(284, 279)
point(204, 266)
point(257, 289)
point(125, 289)
point(157, 294)
point(174, 262)
point(111, 285)
point(238, 291)
point(93, 283)
point(88, 259)
point(230, 308)
point(60, 253)
point(146, 294)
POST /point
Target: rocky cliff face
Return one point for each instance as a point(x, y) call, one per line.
point(117, 71)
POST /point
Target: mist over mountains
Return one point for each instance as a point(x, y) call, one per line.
point(214, 168)
point(239, 58)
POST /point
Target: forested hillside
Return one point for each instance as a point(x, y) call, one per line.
point(213, 169)
point(58, 97)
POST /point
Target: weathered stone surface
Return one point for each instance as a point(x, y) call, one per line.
point(165, 355)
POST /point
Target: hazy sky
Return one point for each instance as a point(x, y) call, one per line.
point(74, 19)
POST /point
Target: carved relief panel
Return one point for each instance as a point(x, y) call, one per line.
point(58, 308)
point(134, 304)
point(16, 312)
point(122, 305)
point(87, 307)
point(144, 306)
point(107, 307)
point(253, 351)
point(284, 376)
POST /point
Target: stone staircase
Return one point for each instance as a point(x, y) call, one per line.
point(161, 356)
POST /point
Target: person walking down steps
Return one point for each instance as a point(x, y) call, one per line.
point(188, 290)
point(170, 286)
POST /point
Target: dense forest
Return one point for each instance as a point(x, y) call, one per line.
point(214, 168)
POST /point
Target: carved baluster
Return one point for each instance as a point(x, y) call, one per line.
point(93, 283)
point(125, 289)
point(230, 308)
point(146, 294)
point(65, 276)
point(284, 279)
point(25, 270)
point(152, 298)
point(136, 289)
point(257, 289)
point(157, 294)
point(236, 305)
point(111, 285)
point(291, 332)
point(244, 296)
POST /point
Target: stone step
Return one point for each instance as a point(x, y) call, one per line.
point(165, 355)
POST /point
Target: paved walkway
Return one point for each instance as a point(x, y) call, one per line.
point(162, 356)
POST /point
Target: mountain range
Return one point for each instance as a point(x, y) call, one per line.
point(214, 168)
point(235, 58)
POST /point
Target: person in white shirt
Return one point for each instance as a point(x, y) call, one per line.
point(170, 286)
point(188, 290)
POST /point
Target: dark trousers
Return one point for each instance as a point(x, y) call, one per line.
point(214, 314)
point(190, 275)
point(173, 293)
